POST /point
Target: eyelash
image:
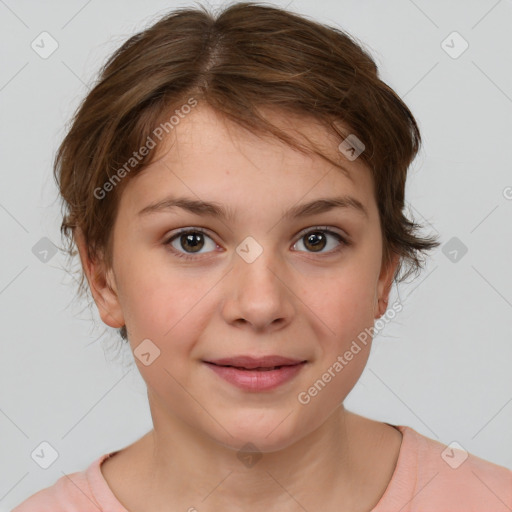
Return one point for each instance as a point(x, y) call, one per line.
point(324, 229)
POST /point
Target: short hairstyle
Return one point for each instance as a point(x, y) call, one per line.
point(245, 57)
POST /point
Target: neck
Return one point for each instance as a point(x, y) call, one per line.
point(326, 466)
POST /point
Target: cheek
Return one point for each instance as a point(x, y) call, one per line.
point(344, 303)
point(166, 307)
point(345, 308)
point(167, 310)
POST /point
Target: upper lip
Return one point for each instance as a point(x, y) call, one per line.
point(250, 362)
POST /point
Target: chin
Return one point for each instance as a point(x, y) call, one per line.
point(267, 434)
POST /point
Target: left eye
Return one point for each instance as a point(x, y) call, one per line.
point(317, 239)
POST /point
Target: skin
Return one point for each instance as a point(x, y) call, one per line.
point(290, 301)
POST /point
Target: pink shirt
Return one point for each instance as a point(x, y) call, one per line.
point(425, 479)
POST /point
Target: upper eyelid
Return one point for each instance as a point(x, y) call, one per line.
point(332, 229)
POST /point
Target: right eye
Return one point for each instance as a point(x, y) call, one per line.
point(189, 239)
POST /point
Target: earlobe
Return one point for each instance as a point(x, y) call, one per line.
point(101, 283)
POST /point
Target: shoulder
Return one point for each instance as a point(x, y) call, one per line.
point(70, 493)
point(449, 476)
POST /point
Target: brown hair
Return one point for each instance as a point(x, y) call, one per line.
point(248, 56)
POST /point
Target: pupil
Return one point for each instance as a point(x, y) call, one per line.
point(194, 240)
point(315, 239)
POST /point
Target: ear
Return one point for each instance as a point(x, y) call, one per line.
point(101, 283)
point(384, 285)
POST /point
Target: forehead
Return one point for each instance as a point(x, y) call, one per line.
point(207, 156)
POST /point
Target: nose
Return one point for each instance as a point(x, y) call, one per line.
point(258, 295)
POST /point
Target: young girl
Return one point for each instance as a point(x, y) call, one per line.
point(235, 187)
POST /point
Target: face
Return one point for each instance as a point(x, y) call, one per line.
point(258, 281)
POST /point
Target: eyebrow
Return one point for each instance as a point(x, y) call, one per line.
point(213, 209)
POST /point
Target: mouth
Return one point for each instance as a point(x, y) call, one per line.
point(257, 369)
point(264, 363)
point(254, 375)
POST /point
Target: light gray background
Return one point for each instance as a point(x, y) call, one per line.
point(442, 366)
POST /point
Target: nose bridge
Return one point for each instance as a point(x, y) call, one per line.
point(257, 292)
point(257, 265)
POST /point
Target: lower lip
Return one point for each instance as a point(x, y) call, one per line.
point(256, 380)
